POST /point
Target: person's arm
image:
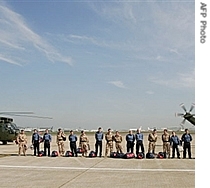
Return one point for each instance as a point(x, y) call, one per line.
point(32, 140)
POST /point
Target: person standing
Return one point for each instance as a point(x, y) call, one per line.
point(130, 139)
point(109, 142)
point(99, 138)
point(61, 137)
point(174, 142)
point(35, 141)
point(118, 141)
point(166, 143)
point(152, 138)
point(186, 138)
point(139, 141)
point(73, 143)
point(84, 142)
point(22, 141)
point(47, 139)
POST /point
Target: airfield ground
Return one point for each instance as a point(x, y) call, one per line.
point(29, 171)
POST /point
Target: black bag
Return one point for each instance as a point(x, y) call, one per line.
point(129, 155)
point(120, 155)
point(41, 153)
point(54, 154)
point(116, 155)
point(80, 150)
point(140, 155)
point(92, 154)
point(150, 156)
point(161, 155)
point(69, 154)
point(113, 154)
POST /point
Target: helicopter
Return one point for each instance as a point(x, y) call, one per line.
point(187, 116)
point(8, 129)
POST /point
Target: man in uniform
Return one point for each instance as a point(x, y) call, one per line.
point(84, 143)
point(174, 142)
point(130, 138)
point(73, 142)
point(109, 142)
point(22, 141)
point(139, 141)
point(47, 138)
point(152, 138)
point(35, 141)
point(98, 137)
point(118, 141)
point(186, 138)
point(166, 143)
point(61, 137)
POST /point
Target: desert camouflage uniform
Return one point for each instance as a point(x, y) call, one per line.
point(60, 142)
point(166, 144)
point(152, 138)
point(84, 143)
point(118, 141)
point(22, 141)
point(109, 143)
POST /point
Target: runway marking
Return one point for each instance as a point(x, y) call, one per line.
point(98, 169)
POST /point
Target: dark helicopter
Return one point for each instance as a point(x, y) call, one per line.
point(8, 129)
point(187, 116)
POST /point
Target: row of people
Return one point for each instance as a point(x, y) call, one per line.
point(169, 141)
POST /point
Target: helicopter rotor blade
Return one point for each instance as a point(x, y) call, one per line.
point(41, 117)
point(183, 107)
point(192, 107)
point(13, 113)
point(183, 122)
point(179, 114)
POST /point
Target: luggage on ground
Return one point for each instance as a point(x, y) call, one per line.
point(150, 156)
point(69, 154)
point(129, 155)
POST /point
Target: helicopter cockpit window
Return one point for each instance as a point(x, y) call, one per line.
point(14, 126)
point(9, 127)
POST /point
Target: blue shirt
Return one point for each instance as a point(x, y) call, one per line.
point(186, 138)
point(47, 137)
point(139, 136)
point(35, 137)
point(72, 138)
point(174, 140)
point(99, 136)
point(130, 138)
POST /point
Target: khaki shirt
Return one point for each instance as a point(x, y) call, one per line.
point(22, 138)
point(60, 136)
point(118, 138)
point(84, 138)
point(152, 137)
point(166, 137)
point(109, 137)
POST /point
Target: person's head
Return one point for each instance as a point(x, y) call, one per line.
point(173, 133)
point(82, 132)
point(59, 130)
point(130, 131)
point(35, 131)
point(154, 131)
point(117, 132)
point(46, 130)
point(165, 131)
point(109, 130)
point(99, 129)
point(138, 130)
point(71, 132)
point(22, 131)
point(186, 131)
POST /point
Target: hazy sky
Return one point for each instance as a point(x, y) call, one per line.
point(118, 64)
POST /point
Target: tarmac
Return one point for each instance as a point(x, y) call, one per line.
point(55, 172)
